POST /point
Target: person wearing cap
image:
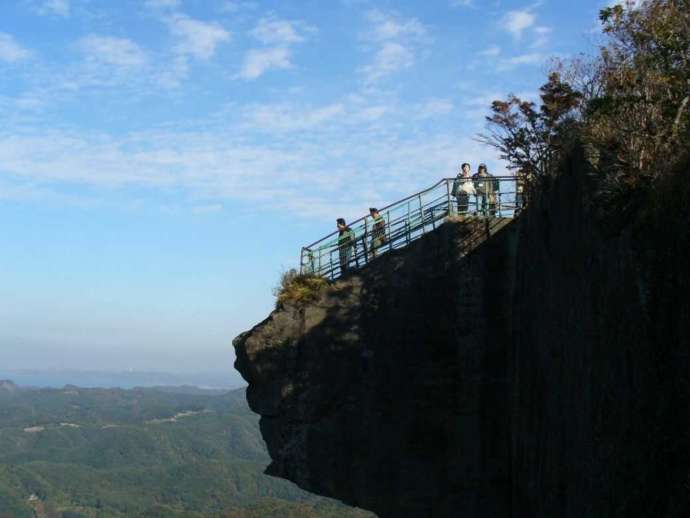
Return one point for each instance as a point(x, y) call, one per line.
point(346, 241)
point(378, 231)
point(463, 187)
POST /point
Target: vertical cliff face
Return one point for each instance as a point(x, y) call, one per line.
point(601, 378)
point(391, 392)
point(542, 372)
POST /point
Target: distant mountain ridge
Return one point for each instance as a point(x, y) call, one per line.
point(8, 386)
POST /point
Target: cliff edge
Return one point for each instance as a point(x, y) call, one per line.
point(540, 372)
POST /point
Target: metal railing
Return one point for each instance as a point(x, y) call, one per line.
point(409, 219)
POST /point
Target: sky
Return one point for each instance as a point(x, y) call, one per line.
point(162, 161)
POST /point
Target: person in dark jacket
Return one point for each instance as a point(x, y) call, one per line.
point(463, 187)
point(346, 242)
point(485, 185)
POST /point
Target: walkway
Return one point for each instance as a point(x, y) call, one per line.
point(407, 220)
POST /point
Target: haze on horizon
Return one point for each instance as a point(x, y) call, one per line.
point(162, 161)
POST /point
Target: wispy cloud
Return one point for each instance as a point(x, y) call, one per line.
point(532, 58)
point(54, 8)
point(390, 58)
point(542, 37)
point(397, 40)
point(112, 51)
point(434, 108)
point(10, 50)
point(386, 27)
point(462, 3)
point(285, 117)
point(281, 35)
point(275, 31)
point(162, 4)
point(492, 51)
point(197, 38)
point(259, 61)
point(207, 209)
point(233, 6)
point(516, 22)
point(274, 155)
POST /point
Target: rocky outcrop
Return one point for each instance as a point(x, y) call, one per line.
point(391, 392)
point(541, 372)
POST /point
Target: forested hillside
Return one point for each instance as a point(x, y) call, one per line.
point(143, 452)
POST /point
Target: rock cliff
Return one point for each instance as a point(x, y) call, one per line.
point(540, 372)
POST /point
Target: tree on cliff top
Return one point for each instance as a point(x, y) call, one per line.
point(530, 138)
point(630, 105)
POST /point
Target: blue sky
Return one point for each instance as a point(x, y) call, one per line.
point(162, 161)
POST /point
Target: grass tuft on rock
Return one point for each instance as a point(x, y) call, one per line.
point(298, 289)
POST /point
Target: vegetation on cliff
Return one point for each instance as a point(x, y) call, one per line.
point(298, 288)
point(629, 106)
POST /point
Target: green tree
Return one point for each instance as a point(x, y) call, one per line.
point(630, 105)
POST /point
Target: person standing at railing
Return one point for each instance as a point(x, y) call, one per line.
point(378, 231)
point(463, 187)
point(484, 185)
point(522, 186)
point(495, 195)
point(346, 242)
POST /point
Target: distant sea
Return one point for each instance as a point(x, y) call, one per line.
point(125, 379)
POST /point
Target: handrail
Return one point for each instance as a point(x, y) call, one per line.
point(387, 207)
point(400, 229)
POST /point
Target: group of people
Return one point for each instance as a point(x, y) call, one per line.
point(346, 238)
point(480, 189)
point(484, 186)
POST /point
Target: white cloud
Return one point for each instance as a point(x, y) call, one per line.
point(517, 21)
point(162, 4)
point(532, 58)
point(286, 118)
point(397, 40)
point(54, 7)
point(461, 3)
point(218, 165)
point(387, 27)
point(274, 31)
point(112, 51)
point(207, 209)
point(197, 38)
point(233, 7)
point(390, 58)
point(542, 37)
point(259, 61)
point(434, 108)
point(10, 50)
point(492, 51)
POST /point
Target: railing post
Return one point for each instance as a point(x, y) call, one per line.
point(330, 260)
point(421, 213)
point(450, 204)
point(388, 230)
point(407, 224)
point(364, 240)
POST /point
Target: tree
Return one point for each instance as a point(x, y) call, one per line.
point(630, 105)
point(530, 139)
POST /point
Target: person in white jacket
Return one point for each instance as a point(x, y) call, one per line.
point(463, 188)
